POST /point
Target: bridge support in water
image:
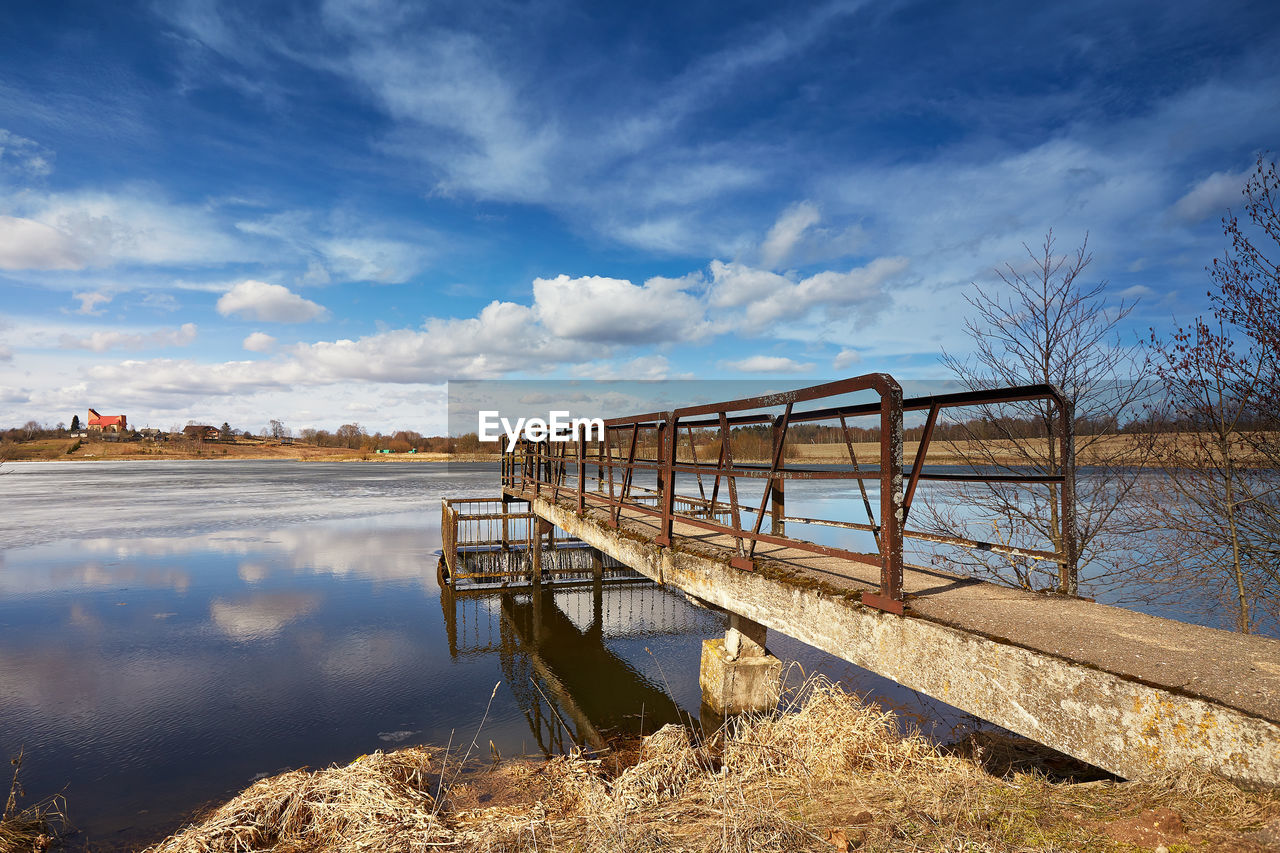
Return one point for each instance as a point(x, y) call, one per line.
point(738, 674)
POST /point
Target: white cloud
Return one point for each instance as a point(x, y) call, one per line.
point(90, 300)
point(29, 245)
point(610, 310)
point(1211, 197)
point(734, 284)
point(161, 381)
point(384, 261)
point(484, 136)
point(769, 298)
point(23, 156)
point(132, 226)
point(101, 341)
point(10, 395)
point(259, 342)
point(355, 255)
point(6, 354)
point(160, 301)
point(786, 232)
point(846, 358)
point(505, 337)
point(1136, 291)
point(271, 303)
point(642, 367)
point(768, 364)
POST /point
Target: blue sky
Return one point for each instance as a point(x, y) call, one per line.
point(321, 212)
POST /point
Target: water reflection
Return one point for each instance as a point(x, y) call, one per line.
point(261, 616)
point(573, 689)
point(154, 659)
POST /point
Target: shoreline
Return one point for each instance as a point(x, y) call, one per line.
point(943, 454)
point(824, 772)
point(80, 450)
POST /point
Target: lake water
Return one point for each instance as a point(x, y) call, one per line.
point(172, 631)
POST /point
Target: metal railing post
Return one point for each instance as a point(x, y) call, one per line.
point(777, 497)
point(666, 486)
point(890, 596)
point(582, 475)
point(1068, 570)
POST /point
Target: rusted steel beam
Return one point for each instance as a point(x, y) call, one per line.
point(993, 547)
point(693, 455)
point(918, 466)
point(995, 478)
point(777, 488)
point(740, 559)
point(779, 437)
point(862, 486)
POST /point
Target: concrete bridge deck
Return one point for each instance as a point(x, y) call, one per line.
point(1134, 694)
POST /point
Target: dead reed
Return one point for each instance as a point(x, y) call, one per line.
point(826, 773)
point(34, 828)
point(377, 802)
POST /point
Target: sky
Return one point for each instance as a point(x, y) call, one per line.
point(322, 212)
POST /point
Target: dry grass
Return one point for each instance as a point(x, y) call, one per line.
point(377, 802)
point(1090, 450)
point(34, 828)
point(66, 448)
point(830, 773)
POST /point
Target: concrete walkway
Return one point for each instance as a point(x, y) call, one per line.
point(1132, 693)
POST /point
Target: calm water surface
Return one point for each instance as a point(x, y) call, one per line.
point(172, 631)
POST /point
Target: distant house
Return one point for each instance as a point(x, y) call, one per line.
point(106, 423)
point(202, 432)
point(152, 433)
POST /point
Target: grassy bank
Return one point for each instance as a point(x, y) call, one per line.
point(831, 774)
point(59, 449)
point(1002, 452)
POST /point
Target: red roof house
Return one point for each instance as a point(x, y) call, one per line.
point(106, 423)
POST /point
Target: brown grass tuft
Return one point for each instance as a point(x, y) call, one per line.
point(32, 829)
point(831, 774)
point(377, 802)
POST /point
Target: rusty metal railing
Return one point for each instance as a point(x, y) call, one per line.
point(665, 444)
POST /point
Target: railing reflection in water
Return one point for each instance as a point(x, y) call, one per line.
point(553, 647)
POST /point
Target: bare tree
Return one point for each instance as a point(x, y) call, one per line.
point(278, 429)
point(1219, 500)
point(1044, 324)
point(1214, 501)
point(351, 435)
point(1248, 294)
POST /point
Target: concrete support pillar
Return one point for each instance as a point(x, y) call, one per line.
point(597, 563)
point(744, 638)
point(738, 674)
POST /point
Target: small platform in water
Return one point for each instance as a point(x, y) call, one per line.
point(495, 543)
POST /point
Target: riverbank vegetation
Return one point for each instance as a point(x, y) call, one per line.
point(31, 828)
point(829, 773)
point(1201, 405)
